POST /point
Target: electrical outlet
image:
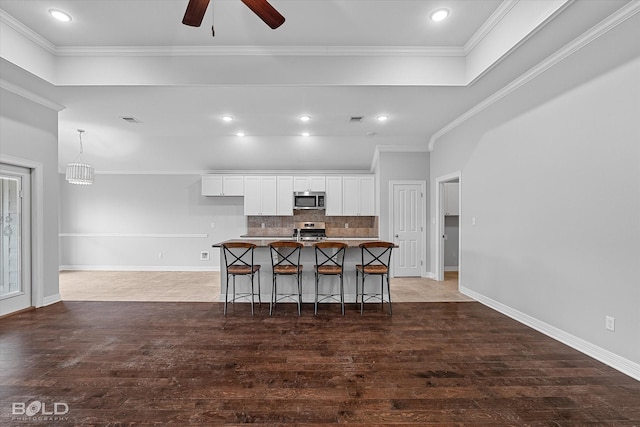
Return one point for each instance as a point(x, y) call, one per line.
point(213, 225)
point(610, 323)
point(262, 225)
point(160, 255)
point(346, 225)
point(204, 256)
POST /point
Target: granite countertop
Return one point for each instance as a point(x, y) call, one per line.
point(289, 237)
point(263, 242)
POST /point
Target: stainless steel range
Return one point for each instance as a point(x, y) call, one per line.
point(310, 231)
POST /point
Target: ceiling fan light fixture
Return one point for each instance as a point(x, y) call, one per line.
point(439, 15)
point(60, 15)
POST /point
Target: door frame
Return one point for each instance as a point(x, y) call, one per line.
point(440, 181)
point(37, 224)
point(423, 220)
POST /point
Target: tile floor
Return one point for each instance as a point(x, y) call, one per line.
point(205, 287)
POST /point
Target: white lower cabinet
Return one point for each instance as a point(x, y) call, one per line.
point(260, 195)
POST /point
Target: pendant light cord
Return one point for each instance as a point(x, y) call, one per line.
point(80, 132)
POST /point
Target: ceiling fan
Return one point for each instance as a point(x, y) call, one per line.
point(197, 8)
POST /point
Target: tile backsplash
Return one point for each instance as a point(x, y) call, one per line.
point(282, 226)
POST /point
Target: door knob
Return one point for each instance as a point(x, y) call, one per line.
point(397, 236)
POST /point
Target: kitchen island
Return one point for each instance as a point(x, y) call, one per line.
point(327, 285)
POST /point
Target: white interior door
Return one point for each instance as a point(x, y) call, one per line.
point(407, 228)
point(15, 238)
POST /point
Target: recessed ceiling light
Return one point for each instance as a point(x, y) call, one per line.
point(239, 133)
point(383, 118)
point(305, 134)
point(227, 118)
point(60, 15)
point(305, 118)
point(439, 15)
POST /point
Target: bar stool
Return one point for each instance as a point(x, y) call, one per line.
point(376, 259)
point(238, 259)
point(329, 262)
point(285, 261)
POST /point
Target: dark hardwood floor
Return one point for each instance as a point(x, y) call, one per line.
point(135, 363)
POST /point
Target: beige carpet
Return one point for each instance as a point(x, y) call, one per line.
point(205, 287)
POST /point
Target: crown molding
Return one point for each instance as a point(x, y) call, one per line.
point(409, 51)
point(27, 32)
point(61, 171)
point(578, 43)
point(489, 25)
point(96, 51)
point(20, 91)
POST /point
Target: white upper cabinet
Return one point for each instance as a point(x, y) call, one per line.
point(348, 195)
point(333, 200)
point(451, 199)
point(285, 195)
point(309, 183)
point(260, 195)
point(367, 196)
point(223, 185)
point(358, 195)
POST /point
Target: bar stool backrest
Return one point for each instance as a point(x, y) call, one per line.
point(376, 257)
point(330, 255)
point(285, 256)
point(238, 255)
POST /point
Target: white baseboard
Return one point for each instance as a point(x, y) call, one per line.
point(451, 268)
point(136, 268)
point(619, 363)
point(430, 275)
point(51, 299)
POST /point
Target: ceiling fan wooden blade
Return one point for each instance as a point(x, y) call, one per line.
point(195, 12)
point(266, 12)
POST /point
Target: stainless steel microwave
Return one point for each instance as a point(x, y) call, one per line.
point(308, 200)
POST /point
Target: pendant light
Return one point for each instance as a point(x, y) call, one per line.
point(78, 172)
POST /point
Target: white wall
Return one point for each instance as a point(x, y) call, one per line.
point(127, 221)
point(399, 166)
point(553, 181)
point(29, 131)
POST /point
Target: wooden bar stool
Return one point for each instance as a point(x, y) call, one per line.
point(285, 261)
point(376, 259)
point(329, 262)
point(238, 259)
